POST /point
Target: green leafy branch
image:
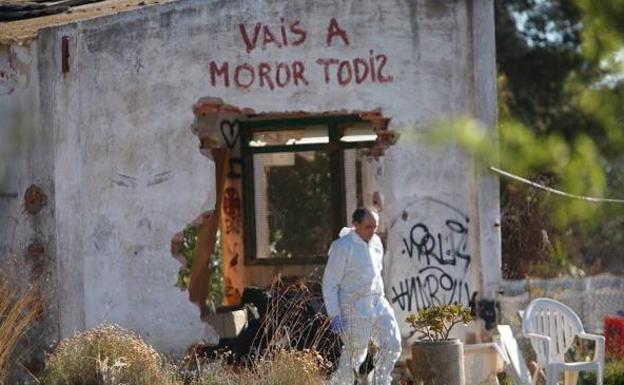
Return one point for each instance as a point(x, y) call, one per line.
point(435, 323)
point(187, 249)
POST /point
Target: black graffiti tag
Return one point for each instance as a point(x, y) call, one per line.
point(432, 247)
point(431, 286)
point(230, 130)
point(441, 258)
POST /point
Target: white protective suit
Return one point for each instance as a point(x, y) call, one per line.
point(353, 288)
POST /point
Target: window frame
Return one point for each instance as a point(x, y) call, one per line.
point(335, 149)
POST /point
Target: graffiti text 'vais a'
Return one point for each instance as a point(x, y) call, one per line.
point(370, 68)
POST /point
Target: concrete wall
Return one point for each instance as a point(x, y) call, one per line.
point(27, 241)
point(127, 179)
point(127, 174)
point(19, 94)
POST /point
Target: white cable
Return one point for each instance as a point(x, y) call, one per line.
point(552, 190)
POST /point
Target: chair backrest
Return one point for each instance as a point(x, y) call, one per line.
point(551, 318)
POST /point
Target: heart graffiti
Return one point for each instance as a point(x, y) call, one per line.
point(230, 132)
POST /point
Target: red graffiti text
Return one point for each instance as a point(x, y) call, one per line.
point(356, 71)
point(266, 36)
point(263, 75)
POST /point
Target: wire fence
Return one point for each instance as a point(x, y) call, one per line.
point(592, 298)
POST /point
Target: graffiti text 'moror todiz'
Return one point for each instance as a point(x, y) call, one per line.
point(368, 67)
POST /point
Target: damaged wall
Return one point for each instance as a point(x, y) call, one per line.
point(114, 105)
point(27, 191)
point(127, 175)
point(441, 210)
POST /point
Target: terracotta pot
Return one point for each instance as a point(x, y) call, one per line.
point(438, 363)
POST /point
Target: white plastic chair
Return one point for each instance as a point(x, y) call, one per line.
point(551, 326)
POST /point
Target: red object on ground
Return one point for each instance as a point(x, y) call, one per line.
point(614, 333)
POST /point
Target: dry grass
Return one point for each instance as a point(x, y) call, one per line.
point(18, 312)
point(216, 373)
point(295, 345)
point(286, 352)
point(292, 322)
point(286, 367)
point(289, 367)
point(107, 355)
point(291, 348)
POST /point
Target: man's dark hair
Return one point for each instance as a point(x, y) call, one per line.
point(360, 213)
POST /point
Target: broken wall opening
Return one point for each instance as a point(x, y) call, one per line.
point(279, 145)
point(183, 247)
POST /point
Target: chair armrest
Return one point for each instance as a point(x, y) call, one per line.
point(538, 336)
point(599, 353)
point(542, 338)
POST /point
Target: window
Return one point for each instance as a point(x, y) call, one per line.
point(301, 178)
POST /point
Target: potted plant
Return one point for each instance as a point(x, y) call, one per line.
point(436, 358)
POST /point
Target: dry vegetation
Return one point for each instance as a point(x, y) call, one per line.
point(287, 367)
point(107, 355)
point(285, 352)
point(292, 346)
point(18, 311)
point(293, 322)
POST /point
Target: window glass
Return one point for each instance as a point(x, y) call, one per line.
point(293, 205)
point(298, 200)
point(303, 135)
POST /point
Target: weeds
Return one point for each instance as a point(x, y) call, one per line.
point(107, 355)
point(294, 320)
point(289, 367)
point(613, 374)
point(293, 346)
point(286, 367)
point(18, 312)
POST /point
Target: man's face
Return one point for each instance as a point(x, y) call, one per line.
point(366, 228)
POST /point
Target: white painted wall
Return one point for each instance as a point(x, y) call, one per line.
point(19, 92)
point(127, 174)
point(127, 179)
point(26, 152)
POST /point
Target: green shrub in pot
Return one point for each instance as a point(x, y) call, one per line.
point(438, 359)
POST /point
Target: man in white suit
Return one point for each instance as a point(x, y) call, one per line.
point(353, 291)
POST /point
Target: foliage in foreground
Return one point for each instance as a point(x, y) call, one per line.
point(186, 248)
point(285, 352)
point(561, 113)
point(436, 322)
point(293, 345)
point(613, 373)
point(286, 367)
point(18, 312)
point(106, 355)
point(292, 367)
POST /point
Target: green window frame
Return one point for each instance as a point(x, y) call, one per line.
point(336, 125)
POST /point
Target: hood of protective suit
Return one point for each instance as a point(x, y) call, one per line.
point(344, 231)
